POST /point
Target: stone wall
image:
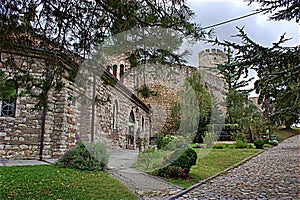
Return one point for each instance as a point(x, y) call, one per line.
point(21, 134)
point(69, 119)
point(166, 82)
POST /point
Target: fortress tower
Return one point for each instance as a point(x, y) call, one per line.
point(208, 60)
point(211, 57)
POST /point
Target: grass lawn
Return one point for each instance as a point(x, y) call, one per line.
point(215, 161)
point(218, 160)
point(52, 182)
point(283, 134)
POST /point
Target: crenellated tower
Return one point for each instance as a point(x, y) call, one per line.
point(211, 57)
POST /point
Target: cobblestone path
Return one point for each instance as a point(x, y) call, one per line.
point(143, 185)
point(274, 174)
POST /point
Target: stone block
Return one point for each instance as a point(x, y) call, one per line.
point(7, 147)
point(22, 126)
point(2, 134)
point(47, 139)
point(28, 152)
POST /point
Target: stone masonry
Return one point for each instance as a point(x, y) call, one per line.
point(119, 116)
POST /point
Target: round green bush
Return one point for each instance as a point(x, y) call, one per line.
point(181, 162)
point(259, 144)
point(88, 156)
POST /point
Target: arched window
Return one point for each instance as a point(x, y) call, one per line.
point(131, 117)
point(115, 68)
point(122, 69)
point(115, 115)
point(131, 128)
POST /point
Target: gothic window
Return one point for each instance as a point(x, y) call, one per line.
point(7, 108)
point(115, 115)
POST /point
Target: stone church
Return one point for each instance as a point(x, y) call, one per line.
point(101, 103)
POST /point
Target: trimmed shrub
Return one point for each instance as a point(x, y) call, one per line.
point(85, 156)
point(259, 144)
point(181, 163)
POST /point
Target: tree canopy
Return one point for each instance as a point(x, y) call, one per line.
point(277, 67)
point(78, 26)
point(280, 9)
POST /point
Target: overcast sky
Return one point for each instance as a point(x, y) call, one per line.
point(258, 27)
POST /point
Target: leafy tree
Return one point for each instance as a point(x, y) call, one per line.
point(204, 104)
point(78, 26)
point(277, 67)
point(236, 96)
point(7, 88)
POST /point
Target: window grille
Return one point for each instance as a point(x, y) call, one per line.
point(7, 108)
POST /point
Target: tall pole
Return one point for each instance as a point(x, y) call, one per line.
point(42, 132)
point(44, 113)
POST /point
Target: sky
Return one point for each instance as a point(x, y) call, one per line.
point(258, 27)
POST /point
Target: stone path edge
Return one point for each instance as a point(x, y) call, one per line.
point(212, 177)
